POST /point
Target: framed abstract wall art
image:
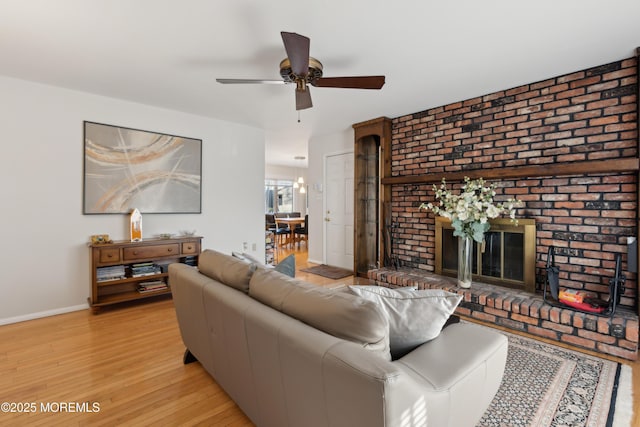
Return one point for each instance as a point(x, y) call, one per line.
point(125, 169)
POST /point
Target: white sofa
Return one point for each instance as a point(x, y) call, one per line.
point(295, 354)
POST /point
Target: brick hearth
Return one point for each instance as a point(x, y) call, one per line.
point(521, 311)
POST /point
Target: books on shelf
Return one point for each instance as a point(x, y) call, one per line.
point(152, 286)
point(142, 264)
point(164, 267)
point(114, 272)
point(190, 260)
point(145, 269)
point(118, 272)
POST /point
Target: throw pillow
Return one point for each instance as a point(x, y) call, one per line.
point(287, 266)
point(415, 316)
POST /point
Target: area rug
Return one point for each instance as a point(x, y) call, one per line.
point(545, 385)
point(328, 271)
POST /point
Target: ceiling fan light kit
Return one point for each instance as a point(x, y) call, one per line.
point(304, 70)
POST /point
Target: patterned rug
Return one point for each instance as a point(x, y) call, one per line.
point(328, 271)
point(545, 385)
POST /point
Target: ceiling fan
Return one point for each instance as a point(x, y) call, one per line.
point(304, 70)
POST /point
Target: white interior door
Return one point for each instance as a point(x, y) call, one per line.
point(338, 215)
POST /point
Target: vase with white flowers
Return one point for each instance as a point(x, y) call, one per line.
point(469, 212)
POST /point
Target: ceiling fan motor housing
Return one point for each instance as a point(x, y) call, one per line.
point(315, 71)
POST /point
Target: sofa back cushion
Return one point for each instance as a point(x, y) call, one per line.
point(340, 314)
point(226, 269)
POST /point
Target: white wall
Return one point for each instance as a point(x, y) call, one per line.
point(319, 148)
point(290, 173)
point(45, 259)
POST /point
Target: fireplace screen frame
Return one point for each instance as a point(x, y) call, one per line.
point(527, 227)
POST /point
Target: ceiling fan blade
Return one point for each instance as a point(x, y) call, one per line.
point(359, 82)
point(251, 81)
point(297, 48)
point(303, 99)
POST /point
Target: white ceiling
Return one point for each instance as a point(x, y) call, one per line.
point(168, 53)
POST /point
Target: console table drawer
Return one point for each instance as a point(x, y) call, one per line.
point(109, 255)
point(151, 251)
point(189, 248)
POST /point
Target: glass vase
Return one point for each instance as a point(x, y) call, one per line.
point(465, 261)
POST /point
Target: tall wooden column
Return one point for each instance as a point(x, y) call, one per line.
point(638, 182)
point(372, 204)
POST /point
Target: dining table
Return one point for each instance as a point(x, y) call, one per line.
point(291, 222)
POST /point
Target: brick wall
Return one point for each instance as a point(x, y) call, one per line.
point(590, 115)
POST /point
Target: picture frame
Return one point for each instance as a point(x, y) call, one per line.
point(126, 169)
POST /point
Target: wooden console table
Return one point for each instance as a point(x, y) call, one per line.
point(126, 271)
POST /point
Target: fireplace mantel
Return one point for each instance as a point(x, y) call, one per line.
point(569, 168)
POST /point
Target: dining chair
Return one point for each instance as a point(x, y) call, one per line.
point(281, 231)
point(301, 232)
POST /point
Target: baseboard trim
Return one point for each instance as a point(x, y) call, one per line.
point(41, 314)
point(314, 261)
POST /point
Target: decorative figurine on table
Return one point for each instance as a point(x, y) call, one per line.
point(136, 226)
point(100, 239)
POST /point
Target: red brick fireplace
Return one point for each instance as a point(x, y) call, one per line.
point(566, 146)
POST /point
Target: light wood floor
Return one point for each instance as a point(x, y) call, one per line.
point(128, 361)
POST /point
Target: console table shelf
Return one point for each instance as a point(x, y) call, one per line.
point(124, 256)
point(125, 296)
point(133, 279)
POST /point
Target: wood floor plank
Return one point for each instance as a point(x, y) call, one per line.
point(128, 359)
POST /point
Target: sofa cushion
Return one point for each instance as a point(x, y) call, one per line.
point(415, 316)
point(226, 269)
point(340, 314)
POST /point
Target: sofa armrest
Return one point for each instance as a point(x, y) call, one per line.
point(457, 350)
point(186, 287)
point(463, 366)
point(362, 388)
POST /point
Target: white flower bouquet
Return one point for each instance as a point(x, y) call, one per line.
point(471, 210)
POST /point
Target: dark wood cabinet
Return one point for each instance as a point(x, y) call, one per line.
point(372, 219)
point(126, 271)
